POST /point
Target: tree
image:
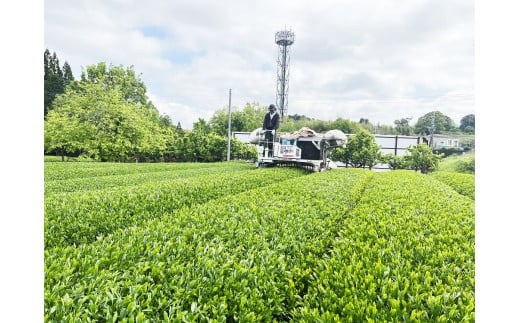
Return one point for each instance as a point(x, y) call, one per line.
point(130, 85)
point(192, 147)
point(216, 148)
point(246, 120)
point(65, 131)
point(361, 151)
point(253, 115)
point(198, 146)
point(98, 120)
point(240, 150)
point(201, 126)
point(219, 122)
point(385, 130)
point(421, 158)
point(346, 126)
point(54, 79)
point(434, 122)
point(297, 117)
point(394, 161)
point(67, 74)
point(467, 123)
point(179, 129)
point(366, 124)
point(402, 127)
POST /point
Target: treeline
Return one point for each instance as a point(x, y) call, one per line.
point(106, 115)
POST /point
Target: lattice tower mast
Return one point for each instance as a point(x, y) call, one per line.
point(284, 39)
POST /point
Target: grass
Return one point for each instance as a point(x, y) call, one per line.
point(458, 164)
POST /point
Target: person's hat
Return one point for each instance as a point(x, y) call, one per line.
point(272, 107)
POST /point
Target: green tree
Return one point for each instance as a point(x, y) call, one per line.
point(297, 117)
point(240, 150)
point(219, 122)
point(319, 126)
point(216, 147)
point(201, 145)
point(179, 129)
point(107, 125)
point(385, 130)
point(194, 147)
point(361, 151)
point(434, 121)
point(402, 127)
point(202, 127)
point(345, 125)
point(366, 124)
point(421, 158)
point(467, 123)
point(67, 74)
point(130, 85)
point(65, 131)
point(54, 79)
point(394, 162)
point(248, 119)
point(253, 116)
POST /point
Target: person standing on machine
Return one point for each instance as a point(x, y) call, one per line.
point(271, 124)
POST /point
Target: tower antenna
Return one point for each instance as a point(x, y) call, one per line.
point(284, 39)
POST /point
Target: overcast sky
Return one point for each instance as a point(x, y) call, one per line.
point(380, 60)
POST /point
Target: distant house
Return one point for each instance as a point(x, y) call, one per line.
point(444, 141)
point(397, 144)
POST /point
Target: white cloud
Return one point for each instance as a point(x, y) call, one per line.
point(371, 59)
point(184, 114)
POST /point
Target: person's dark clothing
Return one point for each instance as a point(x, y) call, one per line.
point(271, 123)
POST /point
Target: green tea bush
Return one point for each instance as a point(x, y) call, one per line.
point(62, 171)
point(268, 245)
point(244, 257)
point(462, 183)
point(135, 178)
point(83, 217)
point(405, 254)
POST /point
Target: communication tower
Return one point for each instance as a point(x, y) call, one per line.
point(284, 39)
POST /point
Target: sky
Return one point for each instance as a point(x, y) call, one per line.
point(377, 60)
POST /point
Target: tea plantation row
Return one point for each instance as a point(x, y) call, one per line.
point(262, 245)
point(84, 216)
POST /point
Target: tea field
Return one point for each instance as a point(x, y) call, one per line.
point(226, 242)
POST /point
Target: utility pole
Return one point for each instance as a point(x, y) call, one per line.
point(229, 129)
point(431, 129)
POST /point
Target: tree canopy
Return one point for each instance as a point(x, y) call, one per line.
point(402, 127)
point(245, 120)
point(421, 158)
point(108, 117)
point(361, 151)
point(101, 124)
point(434, 122)
point(55, 79)
point(467, 123)
point(130, 85)
point(251, 117)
